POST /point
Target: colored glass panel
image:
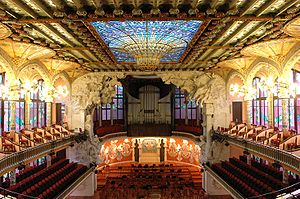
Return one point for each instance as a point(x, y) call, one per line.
point(120, 35)
point(7, 113)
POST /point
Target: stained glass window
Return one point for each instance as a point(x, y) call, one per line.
point(7, 115)
point(20, 113)
point(278, 113)
point(180, 105)
point(260, 105)
point(122, 37)
point(118, 104)
point(181, 108)
point(114, 110)
point(38, 107)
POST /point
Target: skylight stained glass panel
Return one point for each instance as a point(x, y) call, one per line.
point(121, 36)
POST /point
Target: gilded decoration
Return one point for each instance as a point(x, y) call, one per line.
point(275, 50)
point(21, 51)
point(55, 65)
point(4, 31)
point(293, 28)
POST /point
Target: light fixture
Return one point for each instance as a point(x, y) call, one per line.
point(12, 90)
point(242, 90)
point(282, 88)
point(49, 93)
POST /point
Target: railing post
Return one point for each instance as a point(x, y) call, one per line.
point(48, 159)
point(12, 177)
point(285, 176)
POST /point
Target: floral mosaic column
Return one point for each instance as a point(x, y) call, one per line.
point(249, 111)
point(285, 113)
point(270, 109)
point(14, 96)
point(48, 114)
point(13, 116)
point(27, 110)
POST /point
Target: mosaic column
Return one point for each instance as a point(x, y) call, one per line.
point(249, 111)
point(270, 110)
point(13, 115)
point(27, 110)
point(48, 114)
point(285, 113)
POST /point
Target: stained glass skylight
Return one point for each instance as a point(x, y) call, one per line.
point(147, 41)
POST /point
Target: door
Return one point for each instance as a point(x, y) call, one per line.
point(237, 112)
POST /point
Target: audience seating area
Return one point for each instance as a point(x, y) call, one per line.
point(44, 182)
point(287, 140)
point(17, 141)
point(173, 180)
point(253, 180)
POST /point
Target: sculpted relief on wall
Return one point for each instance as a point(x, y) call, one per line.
point(94, 88)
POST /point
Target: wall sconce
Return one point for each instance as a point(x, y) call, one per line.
point(241, 91)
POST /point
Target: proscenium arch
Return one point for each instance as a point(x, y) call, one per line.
point(40, 68)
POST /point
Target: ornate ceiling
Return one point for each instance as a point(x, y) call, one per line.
point(65, 27)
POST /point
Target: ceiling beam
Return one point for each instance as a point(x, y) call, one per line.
point(265, 7)
point(42, 7)
point(248, 6)
point(24, 7)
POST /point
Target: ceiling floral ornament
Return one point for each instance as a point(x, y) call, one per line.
point(55, 66)
point(4, 31)
point(21, 52)
point(293, 28)
point(94, 88)
point(275, 50)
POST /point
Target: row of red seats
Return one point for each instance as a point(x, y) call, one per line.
point(197, 130)
point(244, 189)
point(103, 130)
point(267, 169)
point(265, 178)
point(63, 183)
point(35, 178)
point(251, 181)
point(27, 172)
point(47, 182)
point(270, 170)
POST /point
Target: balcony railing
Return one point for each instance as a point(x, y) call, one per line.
point(226, 186)
point(15, 159)
point(276, 154)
